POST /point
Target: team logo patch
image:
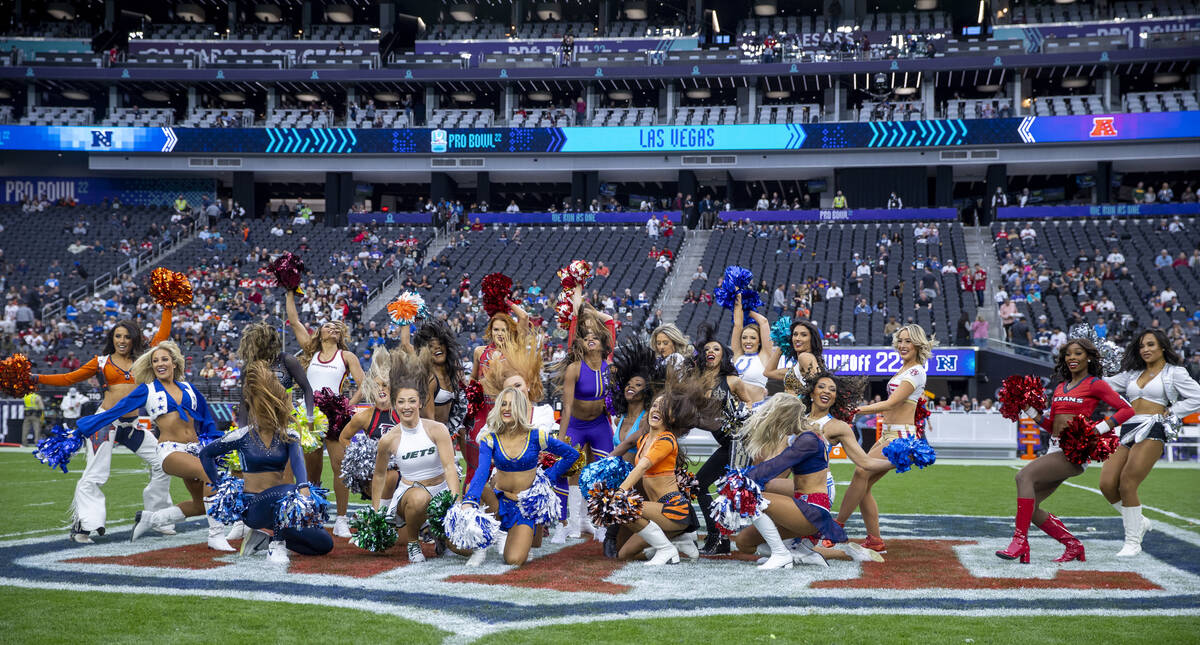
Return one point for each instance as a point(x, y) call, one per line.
point(1103, 126)
point(935, 565)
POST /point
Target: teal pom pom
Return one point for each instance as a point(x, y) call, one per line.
point(228, 501)
point(56, 449)
point(372, 532)
point(436, 511)
point(609, 472)
point(781, 335)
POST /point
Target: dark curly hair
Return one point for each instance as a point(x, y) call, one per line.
point(1132, 361)
point(637, 359)
point(815, 343)
point(1094, 366)
point(849, 394)
point(705, 336)
point(441, 332)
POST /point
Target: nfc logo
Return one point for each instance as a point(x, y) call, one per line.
point(102, 138)
point(946, 363)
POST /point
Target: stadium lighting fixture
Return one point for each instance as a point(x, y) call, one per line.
point(463, 12)
point(549, 11)
point(76, 95)
point(308, 97)
point(340, 13)
point(989, 87)
point(540, 97)
point(636, 10)
point(268, 12)
point(1074, 82)
point(620, 95)
point(232, 97)
point(190, 13)
point(905, 91)
point(1167, 78)
point(1064, 1)
point(158, 96)
point(778, 94)
point(925, 5)
point(982, 11)
point(387, 97)
point(766, 7)
point(463, 97)
point(61, 11)
point(5, 94)
point(698, 93)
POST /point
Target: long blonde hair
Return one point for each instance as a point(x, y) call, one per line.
point(923, 343)
point(314, 343)
point(520, 356)
point(520, 412)
point(267, 403)
point(673, 334)
point(143, 371)
point(376, 378)
point(765, 433)
point(260, 342)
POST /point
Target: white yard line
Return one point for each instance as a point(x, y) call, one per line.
point(1144, 506)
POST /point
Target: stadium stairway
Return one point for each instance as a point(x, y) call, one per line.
point(671, 299)
point(979, 250)
point(389, 291)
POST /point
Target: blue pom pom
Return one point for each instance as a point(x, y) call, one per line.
point(609, 472)
point(538, 502)
point(228, 501)
point(923, 454)
point(56, 449)
point(469, 527)
point(205, 438)
point(781, 335)
point(906, 452)
point(739, 501)
point(737, 280)
point(297, 511)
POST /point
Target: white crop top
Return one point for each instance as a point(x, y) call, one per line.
point(327, 374)
point(914, 375)
point(1184, 392)
point(417, 455)
point(750, 369)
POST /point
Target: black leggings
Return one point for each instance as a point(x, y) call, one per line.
point(709, 473)
point(260, 514)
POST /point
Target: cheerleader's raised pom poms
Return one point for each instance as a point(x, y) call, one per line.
point(407, 308)
point(170, 289)
point(563, 309)
point(1020, 393)
point(906, 452)
point(295, 510)
point(228, 501)
point(436, 511)
point(781, 335)
point(495, 288)
point(55, 450)
point(335, 406)
point(358, 464)
point(739, 501)
point(16, 376)
point(372, 532)
point(312, 439)
point(538, 502)
point(473, 391)
point(611, 506)
point(921, 416)
point(287, 269)
point(579, 273)
point(688, 483)
point(737, 280)
point(608, 472)
point(469, 527)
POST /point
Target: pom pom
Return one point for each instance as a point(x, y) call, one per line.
point(547, 459)
point(310, 440)
point(1078, 440)
point(579, 272)
point(1019, 393)
point(372, 532)
point(335, 406)
point(906, 452)
point(436, 511)
point(609, 506)
point(55, 449)
point(1106, 445)
point(737, 280)
point(298, 511)
point(16, 376)
point(608, 472)
point(563, 309)
point(1111, 355)
point(228, 501)
point(1172, 425)
point(921, 416)
point(781, 335)
point(287, 269)
point(358, 464)
point(739, 501)
point(407, 308)
point(170, 289)
point(539, 502)
point(688, 484)
point(473, 390)
point(495, 288)
point(469, 527)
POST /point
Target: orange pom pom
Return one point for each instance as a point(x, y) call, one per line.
point(170, 289)
point(15, 376)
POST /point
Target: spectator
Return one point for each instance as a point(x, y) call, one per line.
point(979, 331)
point(1115, 257)
point(652, 226)
point(834, 291)
point(1180, 261)
point(181, 205)
point(1008, 316)
point(839, 201)
point(863, 307)
point(35, 412)
point(1023, 198)
point(1021, 334)
point(979, 283)
point(890, 328)
point(1058, 338)
point(580, 110)
point(1162, 260)
point(1028, 234)
point(1165, 194)
point(699, 273)
point(931, 287)
point(512, 207)
point(999, 199)
point(894, 202)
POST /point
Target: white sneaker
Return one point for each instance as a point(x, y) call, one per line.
point(686, 544)
point(341, 527)
point(217, 541)
point(558, 535)
point(255, 542)
point(237, 532)
point(781, 561)
point(803, 554)
point(277, 553)
point(414, 553)
point(860, 553)
point(477, 557)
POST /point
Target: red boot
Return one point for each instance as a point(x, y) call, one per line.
point(1057, 530)
point(1019, 547)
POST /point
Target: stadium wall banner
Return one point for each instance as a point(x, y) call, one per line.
point(1035, 36)
point(131, 191)
point(936, 133)
point(425, 219)
point(842, 215)
point(208, 51)
point(550, 46)
point(1108, 210)
point(885, 361)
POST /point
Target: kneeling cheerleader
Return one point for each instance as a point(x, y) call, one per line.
point(269, 500)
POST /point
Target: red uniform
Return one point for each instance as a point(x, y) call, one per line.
point(1083, 399)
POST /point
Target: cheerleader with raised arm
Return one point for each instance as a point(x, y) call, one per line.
point(753, 350)
point(184, 422)
point(501, 326)
point(441, 358)
point(899, 410)
point(1080, 389)
point(1161, 392)
point(113, 367)
point(798, 353)
point(327, 361)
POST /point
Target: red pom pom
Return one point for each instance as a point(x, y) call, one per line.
point(287, 269)
point(1078, 440)
point(547, 459)
point(15, 376)
point(1106, 445)
point(336, 407)
point(920, 416)
point(170, 288)
point(563, 310)
point(495, 288)
point(1019, 393)
point(474, 393)
point(575, 274)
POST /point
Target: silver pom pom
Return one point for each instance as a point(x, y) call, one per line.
point(1110, 357)
point(1172, 424)
point(1084, 331)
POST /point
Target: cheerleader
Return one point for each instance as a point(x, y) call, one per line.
point(735, 396)
point(439, 354)
point(780, 428)
point(899, 410)
point(327, 360)
point(422, 451)
point(1158, 387)
point(501, 327)
point(666, 511)
point(1080, 389)
point(800, 358)
point(671, 345)
point(508, 433)
point(267, 449)
point(123, 344)
point(584, 375)
point(636, 372)
point(377, 419)
point(753, 350)
point(183, 420)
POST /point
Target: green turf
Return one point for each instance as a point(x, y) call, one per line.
point(44, 616)
point(870, 630)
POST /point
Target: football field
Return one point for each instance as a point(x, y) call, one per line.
point(941, 582)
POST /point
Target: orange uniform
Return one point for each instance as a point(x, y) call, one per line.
point(111, 374)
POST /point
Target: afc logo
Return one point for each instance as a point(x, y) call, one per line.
point(946, 364)
point(1102, 126)
point(102, 138)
